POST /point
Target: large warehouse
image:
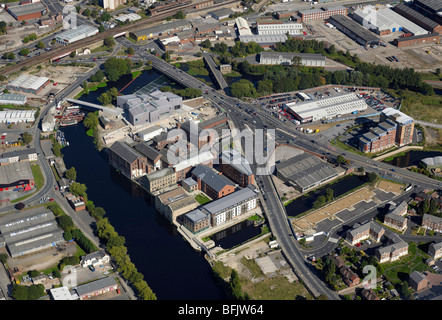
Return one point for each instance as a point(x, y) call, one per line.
point(286, 58)
point(416, 40)
point(430, 8)
point(385, 21)
point(273, 26)
point(28, 83)
point(29, 231)
point(11, 98)
point(264, 40)
point(354, 30)
point(305, 171)
point(418, 18)
point(327, 108)
point(16, 116)
point(72, 35)
point(16, 175)
point(27, 11)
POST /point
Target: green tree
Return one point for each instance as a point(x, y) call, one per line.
point(371, 177)
point(40, 45)
point(24, 52)
point(179, 15)
point(243, 88)
point(340, 159)
point(130, 51)
point(4, 257)
point(65, 222)
point(71, 174)
point(235, 285)
point(27, 138)
point(79, 189)
point(91, 120)
point(11, 55)
point(206, 44)
point(319, 202)
point(109, 41)
point(144, 291)
point(329, 194)
point(86, 12)
point(73, 54)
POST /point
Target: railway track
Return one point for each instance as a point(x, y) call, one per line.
point(47, 56)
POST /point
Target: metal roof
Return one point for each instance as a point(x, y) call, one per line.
point(231, 200)
point(215, 181)
point(28, 8)
point(95, 285)
point(423, 20)
point(28, 82)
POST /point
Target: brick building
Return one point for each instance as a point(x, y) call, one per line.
point(418, 18)
point(379, 138)
point(432, 222)
point(322, 14)
point(126, 159)
point(365, 231)
point(234, 166)
point(418, 281)
point(405, 125)
point(416, 40)
point(211, 183)
point(394, 219)
point(435, 250)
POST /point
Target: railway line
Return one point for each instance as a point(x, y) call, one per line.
point(47, 56)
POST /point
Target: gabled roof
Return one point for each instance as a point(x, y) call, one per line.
point(150, 153)
point(124, 151)
point(208, 176)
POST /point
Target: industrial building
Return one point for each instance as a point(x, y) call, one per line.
point(78, 33)
point(28, 84)
point(16, 176)
point(418, 18)
point(17, 116)
point(305, 171)
point(11, 98)
point(28, 11)
point(148, 108)
point(385, 21)
point(97, 287)
point(243, 27)
point(159, 30)
point(354, 30)
point(184, 164)
point(275, 27)
point(152, 155)
point(149, 133)
point(432, 162)
point(286, 58)
point(430, 8)
point(322, 14)
point(264, 40)
point(416, 40)
point(29, 231)
point(129, 161)
point(128, 17)
point(221, 14)
point(159, 179)
point(327, 108)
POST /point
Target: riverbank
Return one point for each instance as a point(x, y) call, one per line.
point(400, 150)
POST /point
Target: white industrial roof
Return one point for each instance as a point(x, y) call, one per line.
point(194, 160)
point(402, 118)
point(387, 19)
point(71, 34)
point(128, 16)
point(243, 26)
point(329, 107)
point(29, 82)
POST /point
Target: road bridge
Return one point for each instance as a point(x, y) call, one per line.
point(94, 107)
point(216, 74)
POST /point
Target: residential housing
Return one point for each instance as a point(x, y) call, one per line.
point(395, 218)
point(418, 281)
point(94, 259)
point(174, 203)
point(405, 125)
point(392, 252)
point(362, 232)
point(234, 166)
point(432, 222)
point(435, 250)
point(213, 184)
point(220, 211)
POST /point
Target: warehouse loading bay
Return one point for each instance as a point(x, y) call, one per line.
point(422, 58)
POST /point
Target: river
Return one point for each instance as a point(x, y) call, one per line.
point(172, 269)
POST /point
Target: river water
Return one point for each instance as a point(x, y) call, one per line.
point(172, 269)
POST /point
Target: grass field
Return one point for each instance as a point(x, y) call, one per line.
point(38, 176)
point(425, 108)
point(202, 199)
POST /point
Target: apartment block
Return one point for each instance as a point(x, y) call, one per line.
point(234, 166)
point(379, 138)
point(435, 250)
point(397, 249)
point(213, 184)
point(362, 232)
point(394, 219)
point(405, 125)
point(432, 222)
point(159, 179)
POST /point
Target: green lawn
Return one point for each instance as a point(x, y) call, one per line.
point(202, 199)
point(38, 176)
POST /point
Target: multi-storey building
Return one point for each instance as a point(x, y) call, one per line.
point(405, 125)
point(379, 138)
point(432, 222)
point(174, 203)
point(392, 252)
point(112, 4)
point(365, 231)
point(435, 250)
point(418, 281)
point(322, 14)
point(126, 159)
point(236, 167)
point(213, 184)
point(395, 219)
point(158, 180)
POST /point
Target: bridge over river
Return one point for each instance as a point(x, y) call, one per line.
point(94, 107)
